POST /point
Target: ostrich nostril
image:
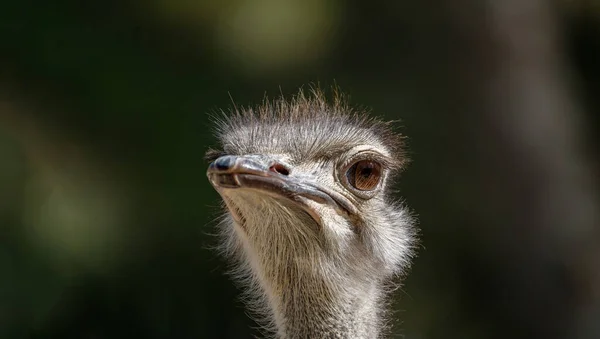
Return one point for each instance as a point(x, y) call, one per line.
point(279, 168)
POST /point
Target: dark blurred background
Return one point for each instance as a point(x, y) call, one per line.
point(106, 215)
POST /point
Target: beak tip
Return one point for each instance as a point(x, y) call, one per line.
point(223, 163)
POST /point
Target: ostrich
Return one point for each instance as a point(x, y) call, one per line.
point(315, 233)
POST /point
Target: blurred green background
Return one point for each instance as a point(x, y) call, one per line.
point(106, 216)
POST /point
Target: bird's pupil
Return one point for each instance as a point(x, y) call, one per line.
point(365, 175)
point(366, 171)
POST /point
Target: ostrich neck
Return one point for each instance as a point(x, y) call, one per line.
point(312, 309)
point(310, 296)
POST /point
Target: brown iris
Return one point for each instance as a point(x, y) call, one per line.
point(364, 175)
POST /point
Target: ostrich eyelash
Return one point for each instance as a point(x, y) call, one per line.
point(385, 162)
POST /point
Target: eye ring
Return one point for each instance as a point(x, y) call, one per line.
point(363, 177)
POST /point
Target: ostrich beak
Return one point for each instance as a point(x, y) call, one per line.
point(271, 177)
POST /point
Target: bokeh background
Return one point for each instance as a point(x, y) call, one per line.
point(106, 216)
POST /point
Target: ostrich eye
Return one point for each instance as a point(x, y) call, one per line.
point(364, 175)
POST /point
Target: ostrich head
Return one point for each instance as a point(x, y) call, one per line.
point(310, 219)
